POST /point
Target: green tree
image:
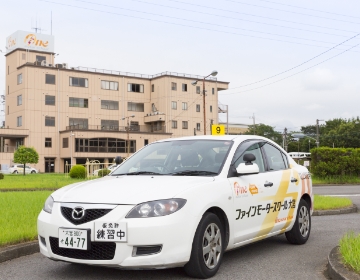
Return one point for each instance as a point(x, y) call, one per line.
point(26, 155)
point(266, 131)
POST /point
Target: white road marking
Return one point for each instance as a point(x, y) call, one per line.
point(340, 194)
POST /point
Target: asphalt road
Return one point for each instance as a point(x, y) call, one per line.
point(273, 258)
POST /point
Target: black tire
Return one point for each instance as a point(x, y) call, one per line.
point(300, 231)
point(32, 172)
point(15, 172)
point(201, 264)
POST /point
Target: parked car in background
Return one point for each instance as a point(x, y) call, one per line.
point(19, 168)
point(111, 168)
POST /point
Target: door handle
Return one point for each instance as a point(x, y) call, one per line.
point(293, 180)
point(268, 184)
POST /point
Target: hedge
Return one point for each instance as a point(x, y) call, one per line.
point(103, 172)
point(78, 172)
point(335, 161)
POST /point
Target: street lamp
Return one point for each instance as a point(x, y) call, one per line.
point(128, 128)
point(194, 83)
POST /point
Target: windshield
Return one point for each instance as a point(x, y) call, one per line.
point(182, 157)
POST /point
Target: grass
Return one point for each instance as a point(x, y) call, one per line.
point(350, 250)
point(36, 181)
point(329, 202)
point(335, 180)
point(19, 211)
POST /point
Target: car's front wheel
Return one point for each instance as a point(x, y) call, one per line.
point(300, 232)
point(15, 172)
point(207, 248)
point(33, 171)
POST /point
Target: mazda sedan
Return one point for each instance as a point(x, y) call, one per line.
point(180, 203)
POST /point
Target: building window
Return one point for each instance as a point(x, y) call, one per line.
point(198, 126)
point(104, 145)
point(19, 121)
point(47, 142)
point(173, 86)
point(197, 89)
point(152, 88)
point(135, 88)
point(49, 121)
point(49, 79)
point(19, 79)
point(109, 105)
point(146, 142)
point(197, 107)
point(79, 82)
point(110, 124)
point(65, 142)
point(19, 100)
point(78, 123)
point(184, 106)
point(213, 90)
point(185, 125)
point(184, 87)
point(210, 108)
point(50, 100)
point(78, 102)
point(109, 85)
point(40, 58)
point(137, 107)
point(174, 105)
point(173, 124)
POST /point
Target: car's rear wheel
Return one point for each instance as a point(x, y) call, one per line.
point(207, 248)
point(15, 172)
point(33, 171)
point(300, 232)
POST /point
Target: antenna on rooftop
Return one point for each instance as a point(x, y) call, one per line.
point(36, 28)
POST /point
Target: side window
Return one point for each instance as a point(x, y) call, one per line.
point(256, 151)
point(274, 158)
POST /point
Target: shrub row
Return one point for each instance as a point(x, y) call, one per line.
point(335, 161)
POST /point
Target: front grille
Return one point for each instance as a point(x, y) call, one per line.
point(98, 251)
point(90, 215)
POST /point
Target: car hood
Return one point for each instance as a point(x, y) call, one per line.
point(127, 189)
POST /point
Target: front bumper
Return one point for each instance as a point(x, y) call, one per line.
point(174, 233)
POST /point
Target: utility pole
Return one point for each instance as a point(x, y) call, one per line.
point(253, 117)
point(285, 145)
point(317, 132)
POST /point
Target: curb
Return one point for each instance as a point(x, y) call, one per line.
point(347, 210)
point(16, 251)
point(336, 270)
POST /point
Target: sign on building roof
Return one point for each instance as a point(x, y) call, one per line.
point(30, 40)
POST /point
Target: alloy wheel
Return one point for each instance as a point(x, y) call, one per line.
point(212, 245)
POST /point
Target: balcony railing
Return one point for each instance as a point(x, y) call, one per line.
point(131, 128)
point(8, 149)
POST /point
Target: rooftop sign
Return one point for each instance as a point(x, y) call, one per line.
point(31, 41)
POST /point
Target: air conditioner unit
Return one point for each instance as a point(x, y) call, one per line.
point(50, 65)
point(65, 65)
point(59, 66)
point(43, 63)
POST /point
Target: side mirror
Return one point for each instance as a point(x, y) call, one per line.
point(245, 168)
point(118, 160)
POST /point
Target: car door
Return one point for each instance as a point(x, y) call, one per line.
point(248, 192)
point(277, 196)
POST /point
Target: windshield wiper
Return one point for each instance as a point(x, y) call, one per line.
point(138, 173)
point(193, 173)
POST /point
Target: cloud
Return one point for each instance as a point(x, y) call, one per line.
point(321, 79)
point(313, 106)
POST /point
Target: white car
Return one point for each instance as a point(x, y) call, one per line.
point(111, 168)
point(19, 169)
point(180, 203)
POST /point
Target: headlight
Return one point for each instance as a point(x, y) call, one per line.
point(49, 203)
point(156, 208)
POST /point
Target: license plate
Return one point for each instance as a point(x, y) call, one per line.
point(78, 239)
point(110, 231)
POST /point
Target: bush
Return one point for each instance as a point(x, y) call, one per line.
point(78, 172)
point(1, 176)
point(103, 172)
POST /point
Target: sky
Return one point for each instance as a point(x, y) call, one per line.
point(286, 60)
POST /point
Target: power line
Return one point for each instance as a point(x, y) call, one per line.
point(309, 9)
point(275, 9)
point(230, 11)
point(297, 66)
point(178, 24)
point(195, 21)
point(294, 73)
point(239, 19)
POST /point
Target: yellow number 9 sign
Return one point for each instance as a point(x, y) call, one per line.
point(218, 129)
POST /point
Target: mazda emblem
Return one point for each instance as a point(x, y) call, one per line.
point(78, 213)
